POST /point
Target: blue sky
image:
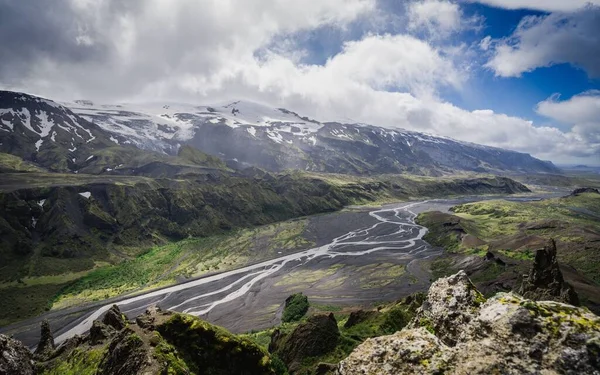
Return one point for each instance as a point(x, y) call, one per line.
point(516, 74)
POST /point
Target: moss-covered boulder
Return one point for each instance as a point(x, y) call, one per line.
point(208, 349)
point(315, 337)
point(296, 306)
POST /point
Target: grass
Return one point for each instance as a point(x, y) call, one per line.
point(12, 163)
point(127, 276)
point(163, 265)
point(295, 308)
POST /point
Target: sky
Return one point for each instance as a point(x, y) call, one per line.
point(518, 74)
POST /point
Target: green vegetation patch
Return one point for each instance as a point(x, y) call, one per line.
point(79, 362)
point(295, 308)
point(209, 349)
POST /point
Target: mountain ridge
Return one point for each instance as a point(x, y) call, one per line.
point(243, 134)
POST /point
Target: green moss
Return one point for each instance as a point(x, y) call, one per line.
point(295, 308)
point(78, 362)
point(168, 357)
point(210, 349)
point(427, 324)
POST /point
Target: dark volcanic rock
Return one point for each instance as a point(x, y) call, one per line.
point(317, 336)
point(576, 192)
point(545, 281)
point(147, 320)
point(126, 355)
point(15, 358)
point(46, 346)
point(115, 318)
point(100, 332)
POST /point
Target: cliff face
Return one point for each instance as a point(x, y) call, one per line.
point(456, 331)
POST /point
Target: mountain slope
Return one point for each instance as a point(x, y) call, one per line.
point(246, 134)
point(50, 135)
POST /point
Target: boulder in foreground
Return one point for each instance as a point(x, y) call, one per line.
point(456, 331)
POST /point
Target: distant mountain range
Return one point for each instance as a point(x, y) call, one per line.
point(84, 137)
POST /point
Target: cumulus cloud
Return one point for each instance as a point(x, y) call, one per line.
point(541, 5)
point(212, 50)
point(439, 18)
point(581, 111)
point(541, 41)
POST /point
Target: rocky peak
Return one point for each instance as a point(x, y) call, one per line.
point(457, 331)
point(46, 345)
point(447, 307)
point(545, 281)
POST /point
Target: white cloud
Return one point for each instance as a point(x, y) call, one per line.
point(542, 5)
point(541, 41)
point(439, 18)
point(435, 16)
point(581, 111)
point(485, 43)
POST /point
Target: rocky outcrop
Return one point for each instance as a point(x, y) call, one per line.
point(584, 190)
point(114, 318)
point(317, 336)
point(126, 355)
point(46, 346)
point(457, 331)
point(545, 281)
point(15, 358)
point(165, 343)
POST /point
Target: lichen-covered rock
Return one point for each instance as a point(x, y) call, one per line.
point(545, 281)
point(413, 351)
point(46, 346)
point(15, 358)
point(503, 335)
point(449, 307)
point(317, 336)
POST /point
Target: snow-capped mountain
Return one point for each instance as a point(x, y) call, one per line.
point(46, 132)
point(161, 127)
point(244, 134)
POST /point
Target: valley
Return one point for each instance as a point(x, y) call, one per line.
point(353, 258)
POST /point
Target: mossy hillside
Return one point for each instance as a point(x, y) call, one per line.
point(571, 220)
point(167, 343)
point(512, 231)
point(79, 362)
point(11, 163)
point(211, 350)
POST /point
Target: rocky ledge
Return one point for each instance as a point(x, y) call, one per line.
point(458, 331)
point(157, 342)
